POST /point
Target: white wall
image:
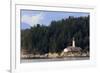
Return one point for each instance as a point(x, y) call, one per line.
point(5, 36)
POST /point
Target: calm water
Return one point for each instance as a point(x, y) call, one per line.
point(53, 59)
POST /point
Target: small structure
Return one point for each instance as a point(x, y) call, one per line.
point(72, 50)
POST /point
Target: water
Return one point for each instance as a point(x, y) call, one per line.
point(54, 59)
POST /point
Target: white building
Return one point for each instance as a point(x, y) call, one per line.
point(72, 48)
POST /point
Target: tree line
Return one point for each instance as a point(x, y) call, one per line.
point(42, 39)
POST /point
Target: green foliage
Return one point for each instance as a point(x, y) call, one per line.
point(43, 39)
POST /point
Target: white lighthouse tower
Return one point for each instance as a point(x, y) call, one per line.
point(73, 43)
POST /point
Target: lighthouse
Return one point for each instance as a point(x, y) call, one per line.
point(72, 50)
point(73, 43)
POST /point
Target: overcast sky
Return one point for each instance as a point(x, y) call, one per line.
point(31, 17)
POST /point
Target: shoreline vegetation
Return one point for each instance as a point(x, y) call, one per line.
point(55, 55)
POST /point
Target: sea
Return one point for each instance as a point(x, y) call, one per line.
point(54, 59)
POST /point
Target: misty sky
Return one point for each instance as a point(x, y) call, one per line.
point(31, 17)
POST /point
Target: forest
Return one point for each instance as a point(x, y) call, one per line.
point(42, 39)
